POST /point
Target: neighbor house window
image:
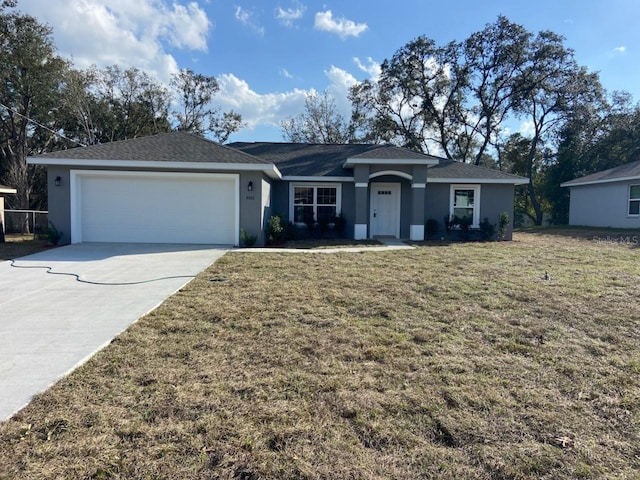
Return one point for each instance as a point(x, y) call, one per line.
point(465, 202)
point(634, 200)
point(320, 203)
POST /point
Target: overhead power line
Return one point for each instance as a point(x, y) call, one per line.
point(41, 126)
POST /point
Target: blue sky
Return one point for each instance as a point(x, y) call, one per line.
point(269, 54)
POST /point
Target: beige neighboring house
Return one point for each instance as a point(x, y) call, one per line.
point(4, 191)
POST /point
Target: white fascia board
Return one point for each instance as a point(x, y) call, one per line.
point(302, 178)
point(595, 182)
point(8, 190)
point(269, 169)
point(503, 181)
point(388, 161)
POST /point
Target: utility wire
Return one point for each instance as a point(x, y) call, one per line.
point(41, 126)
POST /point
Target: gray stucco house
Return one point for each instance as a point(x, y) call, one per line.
point(181, 188)
point(610, 198)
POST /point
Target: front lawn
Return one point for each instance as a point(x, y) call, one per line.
point(509, 360)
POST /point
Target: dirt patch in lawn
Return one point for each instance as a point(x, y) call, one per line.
point(490, 361)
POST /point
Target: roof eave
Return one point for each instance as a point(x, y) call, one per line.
point(8, 190)
point(576, 183)
point(350, 162)
point(503, 181)
point(268, 168)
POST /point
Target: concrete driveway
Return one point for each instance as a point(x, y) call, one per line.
point(50, 324)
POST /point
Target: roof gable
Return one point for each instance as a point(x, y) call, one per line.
point(450, 170)
point(313, 160)
point(628, 171)
point(165, 147)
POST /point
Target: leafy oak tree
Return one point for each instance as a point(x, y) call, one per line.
point(30, 73)
point(196, 114)
point(319, 123)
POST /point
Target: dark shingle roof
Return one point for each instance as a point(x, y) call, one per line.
point(310, 160)
point(628, 170)
point(165, 147)
point(459, 170)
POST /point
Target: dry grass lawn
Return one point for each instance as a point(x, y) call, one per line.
point(457, 361)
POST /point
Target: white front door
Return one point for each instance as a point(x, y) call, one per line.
point(385, 210)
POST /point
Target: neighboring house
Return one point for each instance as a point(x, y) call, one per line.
point(181, 188)
point(610, 198)
point(3, 191)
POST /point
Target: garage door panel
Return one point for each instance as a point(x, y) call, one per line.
point(145, 208)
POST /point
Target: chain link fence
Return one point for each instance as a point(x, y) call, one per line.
point(25, 222)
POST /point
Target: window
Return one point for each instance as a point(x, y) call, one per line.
point(634, 200)
point(465, 202)
point(318, 202)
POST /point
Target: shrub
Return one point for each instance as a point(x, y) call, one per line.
point(503, 224)
point(52, 234)
point(432, 227)
point(487, 229)
point(247, 240)
point(276, 230)
point(465, 226)
point(339, 224)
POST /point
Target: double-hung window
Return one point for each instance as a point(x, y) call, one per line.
point(634, 201)
point(465, 202)
point(317, 203)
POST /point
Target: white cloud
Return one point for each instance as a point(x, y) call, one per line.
point(527, 129)
point(372, 68)
point(285, 73)
point(620, 49)
point(289, 15)
point(107, 32)
point(342, 27)
point(245, 17)
point(258, 109)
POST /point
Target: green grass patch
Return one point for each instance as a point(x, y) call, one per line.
point(458, 361)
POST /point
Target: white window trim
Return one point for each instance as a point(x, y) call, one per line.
point(476, 200)
point(629, 200)
point(292, 197)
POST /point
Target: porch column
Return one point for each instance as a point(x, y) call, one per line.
point(418, 197)
point(361, 176)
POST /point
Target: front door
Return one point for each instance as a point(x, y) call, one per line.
point(385, 210)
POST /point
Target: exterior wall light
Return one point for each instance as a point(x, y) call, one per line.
point(250, 187)
point(58, 181)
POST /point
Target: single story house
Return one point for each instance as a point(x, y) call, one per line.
point(4, 191)
point(610, 198)
point(181, 188)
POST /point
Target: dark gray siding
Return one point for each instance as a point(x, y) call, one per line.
point(494, 199)
point(59, 199)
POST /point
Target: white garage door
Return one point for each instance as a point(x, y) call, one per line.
point(144, 207)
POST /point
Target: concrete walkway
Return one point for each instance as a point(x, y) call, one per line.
point(52, 323)
point(388, 244)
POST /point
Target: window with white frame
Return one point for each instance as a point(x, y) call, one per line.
point(465, 202)
point(318, 203)
point(634, 200)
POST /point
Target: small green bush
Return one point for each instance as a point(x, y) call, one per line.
point(276, 230)
point(52, 234)
point(487, 229)
point(503, 225)
point(247, 240)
